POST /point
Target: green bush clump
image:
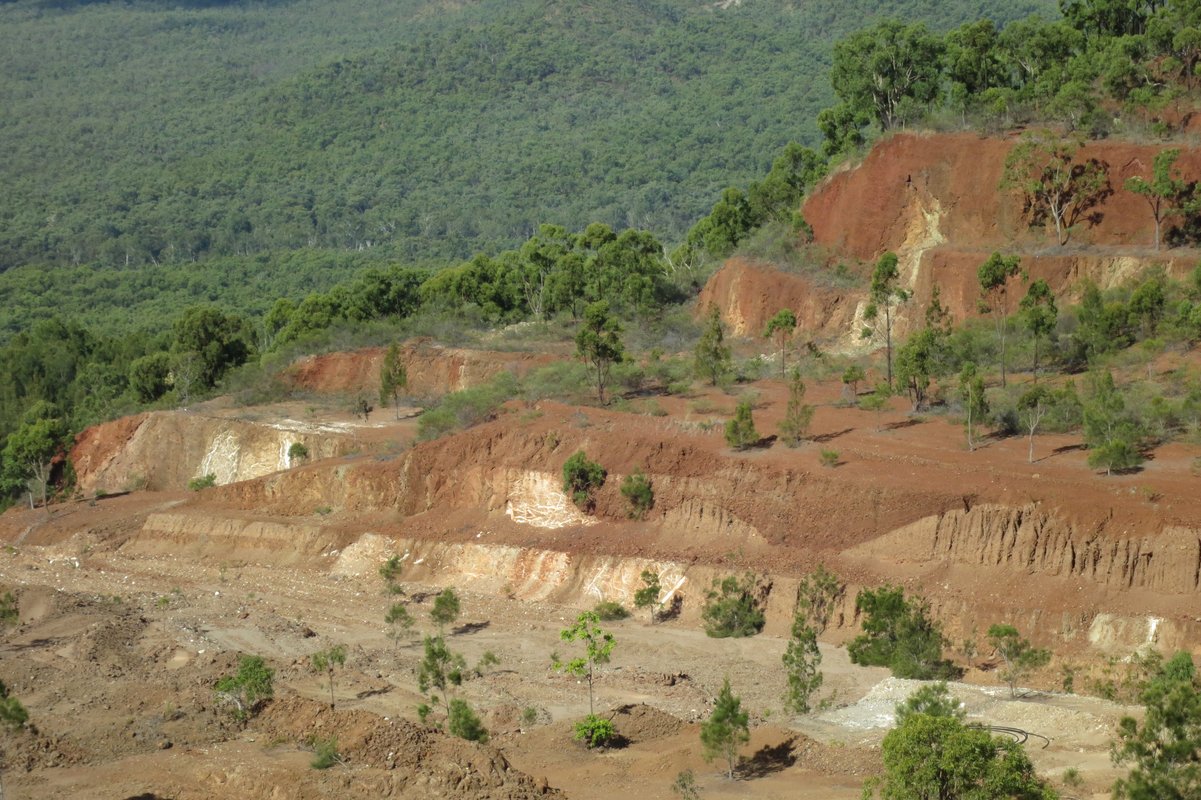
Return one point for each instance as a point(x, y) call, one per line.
point(732, 609)
point(568, 381)
point(202, 482)
point(610, 611)
point(247, 689)
point(581, 478)
point(899, 633)
point(595, 731)
point(740, 431)
point(464, 722)
point(636, 488)
point(459, 410)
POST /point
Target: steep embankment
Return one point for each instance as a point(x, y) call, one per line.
point(431, 369)
point(868, 209)
point(749, 294)
point(1064, 554)
point(934, 201)
point(165, 449)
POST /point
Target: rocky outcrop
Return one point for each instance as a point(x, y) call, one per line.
point(748, 294)
point(431, 369)
point(934, 201)
point(166, 449)
point(1032, 541)
point(865, 210)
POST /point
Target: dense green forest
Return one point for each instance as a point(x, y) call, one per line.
point(155, 133)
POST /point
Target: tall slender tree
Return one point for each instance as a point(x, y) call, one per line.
point(884, 294)
point(598, 342)
point(393, 378)
point(994, 276)
point(598, 648)
point(1040, 315)
point(1163, 191)
point(971, 391)
point(781, 326)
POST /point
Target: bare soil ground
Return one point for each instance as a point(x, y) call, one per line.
point(116, 657)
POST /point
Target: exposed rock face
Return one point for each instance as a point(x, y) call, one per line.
point(165, 449)
point(934, 201)
point(431, 369)
point(868, 209)
point(1032, 541)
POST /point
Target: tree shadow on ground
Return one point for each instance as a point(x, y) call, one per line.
point(470, 627)
point(829, 437)
point(768, 760)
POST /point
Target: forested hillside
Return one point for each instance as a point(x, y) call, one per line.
point(198, 194)
point(156, 133)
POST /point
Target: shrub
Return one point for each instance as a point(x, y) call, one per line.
point(797, 415)
point(685, 786)
point(636, 488)
point(249, 687)
point(595, 731)
point(459, 410)
point(297, 451)
point(390, 569)
point(609, 611)
point(464, 723)
point(732, 608)
point(898, 633)
point(750, 370)
point(202, 482)
point(325, 753)
point(671, 371)
point(740, 431)
point(652, 408)
point(852, 376)
point(581, 478)
point(829, 458)
point(562, 380)
point(938, 756)
point(629, 375)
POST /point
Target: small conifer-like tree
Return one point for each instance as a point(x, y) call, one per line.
point(648, 595)
point(781, 326)
point(727, 729)
point(711, 356)
point(740, 431)
point(798, 414)
point(328, 661)
point(446, 609)
point(393, 378)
